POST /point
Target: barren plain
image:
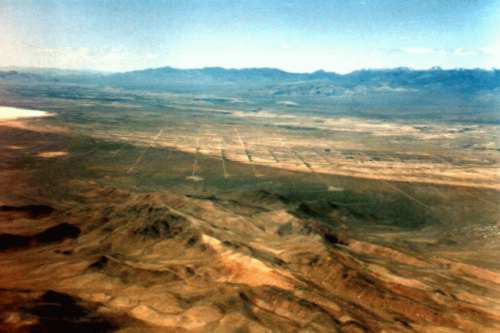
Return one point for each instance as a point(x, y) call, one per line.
point(160, 212)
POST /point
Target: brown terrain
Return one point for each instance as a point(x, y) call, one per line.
point(244, 228)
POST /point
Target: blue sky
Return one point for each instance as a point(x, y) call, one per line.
point(294, 35)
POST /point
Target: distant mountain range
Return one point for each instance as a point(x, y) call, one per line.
point(273, 81)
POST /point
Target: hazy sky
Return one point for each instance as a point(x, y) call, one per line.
point(295, 35)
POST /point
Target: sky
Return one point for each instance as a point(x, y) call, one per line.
point(294, 35)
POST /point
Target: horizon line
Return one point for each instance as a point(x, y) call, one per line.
point(320, 70)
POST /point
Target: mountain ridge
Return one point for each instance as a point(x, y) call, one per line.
point(317, 71)
point(265, 79)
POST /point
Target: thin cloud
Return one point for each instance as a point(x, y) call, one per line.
point(100, 59)
point(449, 52)
point(491, 50)
point(417, 50)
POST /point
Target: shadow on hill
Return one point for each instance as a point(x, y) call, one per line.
point(53, 234)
